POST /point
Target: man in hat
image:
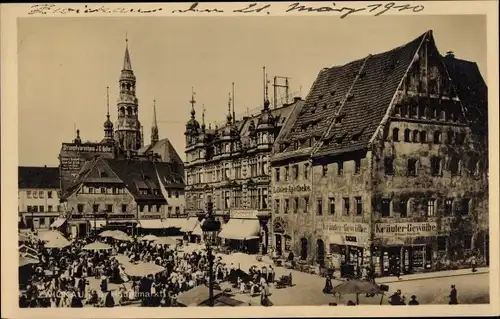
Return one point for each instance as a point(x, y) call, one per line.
point(413, 301)
point(453, 296)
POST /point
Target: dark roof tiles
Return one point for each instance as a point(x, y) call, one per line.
point(38, 177)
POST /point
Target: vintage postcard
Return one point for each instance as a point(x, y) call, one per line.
point(267, 159)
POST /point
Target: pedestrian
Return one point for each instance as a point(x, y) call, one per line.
point(473, 263)
point(328, 289)
point(453, 296)
point(396, 299)
point(413, 301)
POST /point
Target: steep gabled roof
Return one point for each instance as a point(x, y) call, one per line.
point(347, 103)
point(136, 175)
point(470, 86)
point(165, 149)
point(369, 98)
point(38, 177)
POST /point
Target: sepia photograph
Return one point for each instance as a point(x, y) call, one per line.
point(253, 161)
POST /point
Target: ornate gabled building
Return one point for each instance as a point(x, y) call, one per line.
point(123, 140)
point(230, 164)
point(387, 164)
point(123, 194)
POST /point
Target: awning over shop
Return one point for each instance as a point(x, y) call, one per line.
point(197, 231)
point(175, 222)
point(241, 229)
point(58, 222)
point(97, 223)
point(123, 221)
point(151, 224)
point(190, 225)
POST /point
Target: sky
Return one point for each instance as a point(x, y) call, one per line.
point(65, 65)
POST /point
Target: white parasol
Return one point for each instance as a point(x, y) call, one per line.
point(97, 246)
point(143, 269)
point(149, 238)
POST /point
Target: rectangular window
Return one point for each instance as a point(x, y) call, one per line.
point(431, 203)
point(177, 210)
point(347, 206)
point(389, 166)
point(124, 208)
point(277, 205)
point(103, 190)
point(42, 221)
point(448, 207)
point(28, 194)
point(319, 207)
point(286, 173)
point(79, 208)
point(306, 204)
point(109, 208)
point(49, 208)
point(359, 206)
point(287, 205)
point(35, 209)
point(35, 194)
point(385, 207)
point(40, 194)
point(296, 171)
point(306, 171)
point(357, 166)
point(465, 206)
point(42, 208)
point(435, 166)
point(340, 168)
point(169, 209)
point(91, 190)
point(403, 208)
point(325, 170)
point(412, 167)
point(95, 208)
point(49, 194)
point(28, 208)
point(331, 207)
point(295, 205)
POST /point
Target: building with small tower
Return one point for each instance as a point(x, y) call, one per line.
point(230, 165)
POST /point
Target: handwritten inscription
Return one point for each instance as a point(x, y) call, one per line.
point(377, 9)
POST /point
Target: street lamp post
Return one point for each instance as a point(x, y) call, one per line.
point(210, 228)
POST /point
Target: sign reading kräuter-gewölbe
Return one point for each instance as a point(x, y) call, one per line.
point(347, 228)
point(406, 229)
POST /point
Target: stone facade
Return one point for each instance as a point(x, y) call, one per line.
point(396, 185)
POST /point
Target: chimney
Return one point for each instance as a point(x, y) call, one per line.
point(296, 99)
point(450, 54)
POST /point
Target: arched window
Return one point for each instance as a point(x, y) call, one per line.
point(407, 135)
point(450, 137)
point(415, 136)
point(129, 110)
point(122, 110)
point(437, 137)
point(395, 135)
point(423, 137)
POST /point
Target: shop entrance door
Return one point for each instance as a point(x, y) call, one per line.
point(320, 250)
point(303, 249)
point(82, 230)
point(279, 247)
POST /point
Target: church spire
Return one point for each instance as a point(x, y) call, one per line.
point(266, 95)
point(108, 125)
point(127, 65)
point(203, 117)
point(154, 128)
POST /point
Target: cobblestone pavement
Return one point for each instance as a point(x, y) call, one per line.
point(307, 291)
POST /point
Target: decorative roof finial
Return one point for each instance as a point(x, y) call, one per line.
point(127, 65)
point(203, 116)
point(229, 117)
point(154, 127)
point(107, 101)
point(193, 102)
point(266, 96)
point(234, 115)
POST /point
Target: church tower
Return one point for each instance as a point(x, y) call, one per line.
point(128, 128)
point(154, 128)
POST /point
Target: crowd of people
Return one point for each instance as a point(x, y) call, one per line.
point(61, 278)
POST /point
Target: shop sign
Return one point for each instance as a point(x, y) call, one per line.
point(151, 216)
point(291, 189)
point(86, 148)
point(347, 228)
point(243, 213)
point(406, 229)
point(121, 216)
